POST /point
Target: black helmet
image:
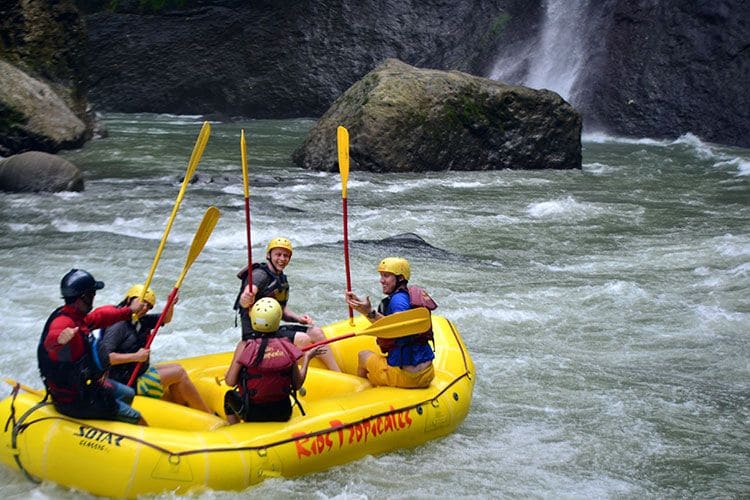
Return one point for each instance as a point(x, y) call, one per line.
point(77, 282)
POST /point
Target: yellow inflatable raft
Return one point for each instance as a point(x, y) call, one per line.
point(184, 450)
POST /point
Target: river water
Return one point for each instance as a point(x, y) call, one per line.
point(607, 310)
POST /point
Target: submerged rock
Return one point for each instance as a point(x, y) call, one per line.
point(37, 171)
point(401, 118)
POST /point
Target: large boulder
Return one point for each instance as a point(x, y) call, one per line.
point(43, 42)
point(33, 116)
point(402, 118)
point(37, 171)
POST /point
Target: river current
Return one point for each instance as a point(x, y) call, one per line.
point(607, 310)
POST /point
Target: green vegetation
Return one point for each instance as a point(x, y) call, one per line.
point(10, 119)
point(159, 5)
point(150, 6)
point(496, 28)
point(499, 24)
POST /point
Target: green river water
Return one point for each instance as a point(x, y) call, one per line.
point(607, 310)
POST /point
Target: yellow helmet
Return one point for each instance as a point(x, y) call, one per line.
point(265, 315)
point(395, 265)
point(279, 243)
point(136, 290)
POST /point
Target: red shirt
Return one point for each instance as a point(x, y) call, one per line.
point(100, 317)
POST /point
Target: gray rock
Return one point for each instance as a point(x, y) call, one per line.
point(655, 69)
point(270, 59)
point(37, 171)
point(402, 118)
point(33, 116)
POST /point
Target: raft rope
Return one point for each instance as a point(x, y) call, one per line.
point(19, 426)
point(22, 426)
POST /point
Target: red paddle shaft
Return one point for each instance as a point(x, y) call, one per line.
point(159, 322)
point(346, 256)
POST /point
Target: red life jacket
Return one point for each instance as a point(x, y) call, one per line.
point(76, 383)
point(270, 380)
point(418, 297)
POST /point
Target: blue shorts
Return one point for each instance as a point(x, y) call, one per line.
point(124, 396)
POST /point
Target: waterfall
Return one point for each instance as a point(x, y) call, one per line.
point(559, 58)
point(556, 57)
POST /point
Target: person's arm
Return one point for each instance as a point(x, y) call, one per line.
point(103, 316)
point(61, 332)
point(247, 297)
point(233, 372)
point(300, 373)
point(289, 315)
point(170, 312)
point(260, 283)
point(362, 306)
point(121, 358)
point(112, 338)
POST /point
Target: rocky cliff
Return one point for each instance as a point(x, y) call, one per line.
point(273, 59)
point(43, 101)
point(657, 68)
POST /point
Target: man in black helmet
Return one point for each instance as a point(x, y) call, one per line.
point(69, 362)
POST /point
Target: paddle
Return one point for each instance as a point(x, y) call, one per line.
point(246, 185)
point(401, 324)
point(200, 145)
point(23, 387)
point(342, 136)
point(199, 241)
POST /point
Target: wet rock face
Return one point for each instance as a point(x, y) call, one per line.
point(272, 59)
point(402, 118)
point(34, 116)
point(672, 69)
point(37, 171)
point(43, 102)
point(649, 69)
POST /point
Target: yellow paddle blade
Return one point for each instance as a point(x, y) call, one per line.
point(400, 324)
point(199, 240)
point(343, 146)
point(243, 153)
point(200, 145)
point(26, 388)
point(195, 157)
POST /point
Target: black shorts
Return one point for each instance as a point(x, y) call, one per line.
point(288, 331)
point(277, 411)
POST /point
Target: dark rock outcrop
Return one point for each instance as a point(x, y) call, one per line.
point(37, 171)
point(657, 69)
point(267, 59)
point(675, 67)
point(402, 118)
point(648, 69)
point(43, 102)
point(34, 117)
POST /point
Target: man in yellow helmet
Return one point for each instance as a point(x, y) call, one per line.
point(269, 280)
point(408, 360)
point(125, 342)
